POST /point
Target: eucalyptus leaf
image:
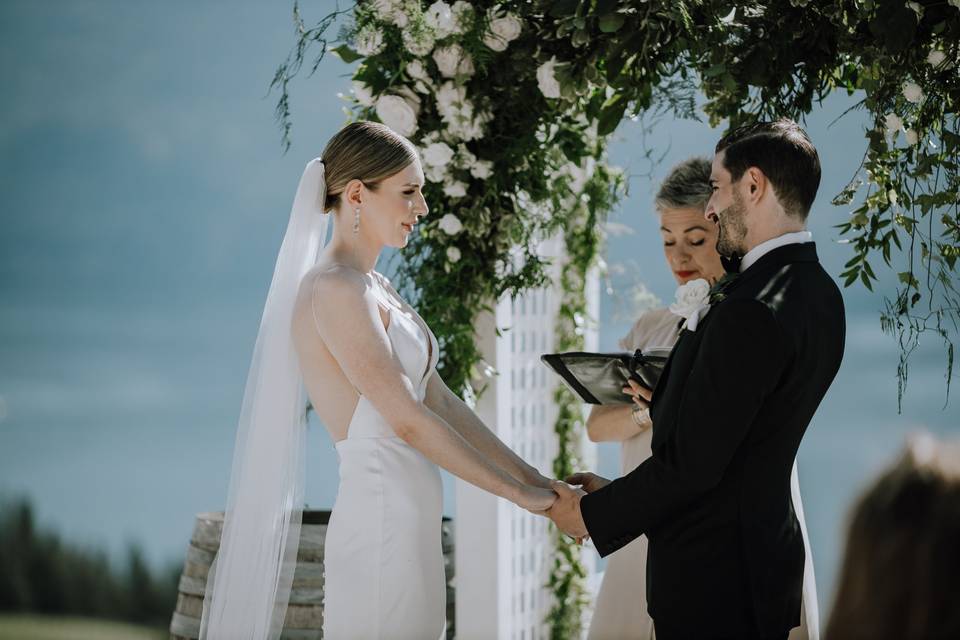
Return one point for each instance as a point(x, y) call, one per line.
point(611, 22)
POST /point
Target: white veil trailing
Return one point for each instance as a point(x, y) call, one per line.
point(249, 583)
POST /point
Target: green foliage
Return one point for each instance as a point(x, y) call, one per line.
point(39, 573)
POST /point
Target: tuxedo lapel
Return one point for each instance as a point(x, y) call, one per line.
point(665, 401)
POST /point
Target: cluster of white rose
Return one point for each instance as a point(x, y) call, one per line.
point(913, 93)
point(438, 73)
point(431, 34)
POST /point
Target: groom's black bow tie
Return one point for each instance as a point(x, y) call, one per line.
point(731, 264)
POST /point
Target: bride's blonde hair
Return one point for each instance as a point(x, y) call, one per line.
point(365, 151)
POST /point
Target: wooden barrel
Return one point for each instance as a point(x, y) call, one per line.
point(304, 620)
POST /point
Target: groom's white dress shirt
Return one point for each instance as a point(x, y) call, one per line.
point(796, 237)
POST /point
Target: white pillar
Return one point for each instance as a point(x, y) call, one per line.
point(503, 553)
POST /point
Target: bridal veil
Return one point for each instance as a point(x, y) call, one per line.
point(249, 583)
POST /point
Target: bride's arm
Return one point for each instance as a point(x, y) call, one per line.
point(450, 407)
point(347, 319)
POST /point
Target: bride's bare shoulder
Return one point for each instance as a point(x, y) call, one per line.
point(335, 287)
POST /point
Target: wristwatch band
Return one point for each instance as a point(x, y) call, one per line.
point(641, 417)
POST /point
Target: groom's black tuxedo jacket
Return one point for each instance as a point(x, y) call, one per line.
point(725, 554)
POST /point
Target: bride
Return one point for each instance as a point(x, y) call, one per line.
point(367, 361)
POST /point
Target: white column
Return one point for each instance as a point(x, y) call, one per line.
point(503, 553)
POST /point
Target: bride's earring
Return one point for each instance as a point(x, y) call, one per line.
point(356, 220)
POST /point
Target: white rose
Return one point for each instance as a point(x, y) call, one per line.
point(363, 94)
point(494, 42)
point(422, 87)
point(396, 113)
point(455, 189)
point(417, 71)
point(453, 254)
point(450, 97)
point(911, 137)
point(450, 224)
point(437, 154)
point(912, 92)
point(412, 99)
point(546, 80)
point(453, 61)
point(893, 123)
point(482, 169)
point(936, 57)
point(391, 11)
point(954, 3)
point(440, 17)
point(435, 173)
point(692, 298)
point(419, 39)
point(369, 41)
point(507, 27)
point(462, 16)
point(384, 9)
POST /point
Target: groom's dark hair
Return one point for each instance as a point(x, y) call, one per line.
point(785, 155)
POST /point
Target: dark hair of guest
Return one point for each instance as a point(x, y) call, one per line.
point(785, 155)
point(901, 571)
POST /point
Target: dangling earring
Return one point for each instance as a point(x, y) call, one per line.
point(356, 220)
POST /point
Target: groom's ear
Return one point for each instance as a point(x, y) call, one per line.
point(756, 184)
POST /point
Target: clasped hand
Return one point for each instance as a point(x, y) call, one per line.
point(564, 510)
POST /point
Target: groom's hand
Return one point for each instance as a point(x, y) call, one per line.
point(565, 512)
point(589, 481)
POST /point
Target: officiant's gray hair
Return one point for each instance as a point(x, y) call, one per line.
point(686, 186)
point(365, 151)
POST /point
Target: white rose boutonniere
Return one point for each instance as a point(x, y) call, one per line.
point(692, 303)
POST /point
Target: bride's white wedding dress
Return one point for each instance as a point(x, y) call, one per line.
point(383, 562)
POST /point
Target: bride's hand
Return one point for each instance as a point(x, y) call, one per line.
point(535, 499)
point(537, 479)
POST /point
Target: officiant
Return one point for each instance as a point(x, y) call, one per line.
point(689, 248)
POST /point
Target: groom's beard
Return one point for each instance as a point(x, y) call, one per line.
point(732, 228)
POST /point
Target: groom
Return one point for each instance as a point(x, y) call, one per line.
point(725, 555)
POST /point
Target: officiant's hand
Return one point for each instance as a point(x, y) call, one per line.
point(565, 512)
point(590, 482)
point(640, 395)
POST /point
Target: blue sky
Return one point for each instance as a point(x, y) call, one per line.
point(144, 193)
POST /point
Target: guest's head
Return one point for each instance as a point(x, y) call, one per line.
point(371, 168)
point(765, 177)
point(689, 241)
point(901, 572)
